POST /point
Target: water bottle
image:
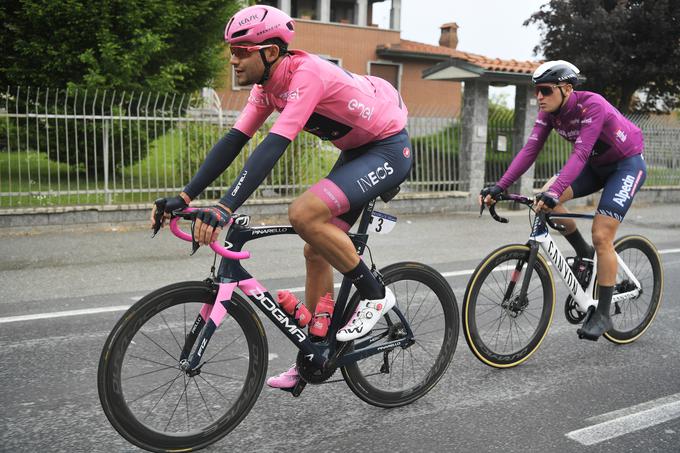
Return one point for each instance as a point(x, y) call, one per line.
point(294, 307)
point(322, 316)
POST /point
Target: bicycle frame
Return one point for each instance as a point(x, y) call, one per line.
point(231, 275)
point(540, 236)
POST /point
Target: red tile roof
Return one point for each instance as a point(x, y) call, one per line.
point(490, 64)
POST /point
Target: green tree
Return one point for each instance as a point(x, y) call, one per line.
point(95, 51)
point(621, 46)
point(154, 45)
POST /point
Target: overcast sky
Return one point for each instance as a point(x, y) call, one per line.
point(492, 28)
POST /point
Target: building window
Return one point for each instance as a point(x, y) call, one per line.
point(304, 9)
point(334, 60)
point(274, 3)
point(385, 70)
point(343, 11)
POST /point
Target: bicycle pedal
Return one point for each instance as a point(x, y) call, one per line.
point(298, 388)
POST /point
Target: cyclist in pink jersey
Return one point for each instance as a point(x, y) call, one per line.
point(607, 155)
point(363, 116)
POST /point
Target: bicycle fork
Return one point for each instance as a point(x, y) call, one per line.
point(513, 308)
point(210, 317)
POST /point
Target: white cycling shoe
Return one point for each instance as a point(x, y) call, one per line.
point(366, 316)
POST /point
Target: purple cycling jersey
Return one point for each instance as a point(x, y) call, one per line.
point(600, 134)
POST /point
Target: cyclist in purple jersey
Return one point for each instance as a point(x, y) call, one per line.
point(607, 155)
point(363, 116)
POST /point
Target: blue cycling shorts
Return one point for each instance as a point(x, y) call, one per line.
point(620, 182)
point(362, 174)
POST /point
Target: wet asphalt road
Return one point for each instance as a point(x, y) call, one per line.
point(49, 397)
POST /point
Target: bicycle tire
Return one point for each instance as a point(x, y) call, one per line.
point(367, 379)
point(478, 298)
point(160, 318)
point(643, 260)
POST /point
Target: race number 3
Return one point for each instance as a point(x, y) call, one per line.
point(382, 223)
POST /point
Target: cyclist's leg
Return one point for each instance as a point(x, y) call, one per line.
point(623, 182)
point(586, 183)
point(323, 214)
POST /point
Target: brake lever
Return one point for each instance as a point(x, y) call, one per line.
point(158, 216)
point(194, 243)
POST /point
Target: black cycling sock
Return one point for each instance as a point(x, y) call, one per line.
point(605, 299)
point(580, 245)
point(367, 285)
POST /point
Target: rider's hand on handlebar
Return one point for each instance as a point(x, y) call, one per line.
point(488, 195)
point(546, 201)
point(171, 204)
point(209, 223)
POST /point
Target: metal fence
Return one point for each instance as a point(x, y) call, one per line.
point(661, 137)
point(61, 148)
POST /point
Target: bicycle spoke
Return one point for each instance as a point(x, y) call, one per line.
point(169, 329)
point(150, 372)
point(159, 346)
point(179, 400)
point(171, 383)
point(213, 387)
point(152, 361)
point(225, 347)
point(205, 403)
point(219, 375)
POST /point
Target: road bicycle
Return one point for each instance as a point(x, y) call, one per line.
point(510, 298)
point(186, 363)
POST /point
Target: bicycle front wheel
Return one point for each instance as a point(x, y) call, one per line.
point(502, 327)
point(402, 375)
point(147, 396)
point(632, 317)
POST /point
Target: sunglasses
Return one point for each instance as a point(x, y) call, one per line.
point(245, 51)
point(545, 90)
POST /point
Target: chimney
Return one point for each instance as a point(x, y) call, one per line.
point(449, 36)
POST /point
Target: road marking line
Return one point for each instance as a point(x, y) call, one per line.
point(633, 409)
point(628, 420)
point(298, 289)
point(60, 314)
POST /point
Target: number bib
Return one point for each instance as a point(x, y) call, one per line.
point(382, 223)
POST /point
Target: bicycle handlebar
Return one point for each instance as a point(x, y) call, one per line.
point(215, 245)
point(510, 197)
point(522, 200)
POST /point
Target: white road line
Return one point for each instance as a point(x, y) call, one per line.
point(628, 420)
point(297, 289)
point(633, 409)
point(60, 314)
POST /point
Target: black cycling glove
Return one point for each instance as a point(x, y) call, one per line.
point(494, 191)
point(173, 204)
point(215, 216)
point(550, 199)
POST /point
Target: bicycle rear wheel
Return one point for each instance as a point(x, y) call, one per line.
point(502, 328)
point(155, 405)
point(402, 375)
point(632, 317)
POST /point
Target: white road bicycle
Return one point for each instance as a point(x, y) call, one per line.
point(510, 298)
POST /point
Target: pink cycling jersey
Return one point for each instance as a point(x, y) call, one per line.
point(600, 134)
point(315, 95)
